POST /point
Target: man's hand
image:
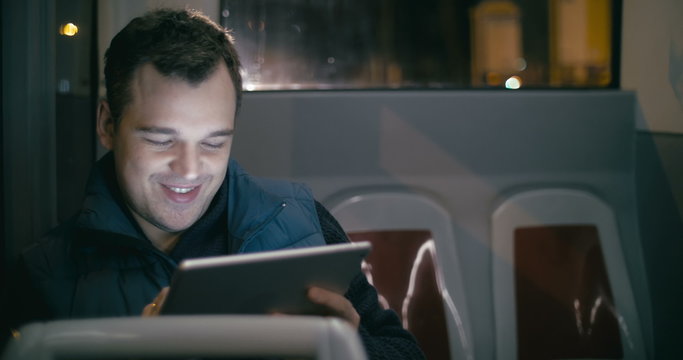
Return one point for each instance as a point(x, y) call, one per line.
point(154, 308)
point(337, 304)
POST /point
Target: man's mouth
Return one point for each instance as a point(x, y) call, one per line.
point(181, 195)
point(181, 190)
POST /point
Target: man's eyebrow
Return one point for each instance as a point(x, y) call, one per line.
point(169, 131)
point(156, 130)
point(226, 132)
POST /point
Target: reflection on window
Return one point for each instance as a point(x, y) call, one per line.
point(581, 33)
point(360, 44)
point(497, 53)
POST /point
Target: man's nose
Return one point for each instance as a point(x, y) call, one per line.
point(187, 162)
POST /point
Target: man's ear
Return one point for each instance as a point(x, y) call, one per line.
point(105, 125)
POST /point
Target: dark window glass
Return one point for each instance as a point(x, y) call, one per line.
point(359, 44)
point(75, 100)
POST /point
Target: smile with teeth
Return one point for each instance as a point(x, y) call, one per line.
point(181, 190)
point(181, 194)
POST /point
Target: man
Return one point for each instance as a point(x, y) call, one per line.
point(168, 191)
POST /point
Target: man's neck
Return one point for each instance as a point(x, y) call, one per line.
point(166, 242)
point(162, 240)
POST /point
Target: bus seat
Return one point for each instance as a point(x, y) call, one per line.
point(181, 337)
point(413, 265)
point(560, 284)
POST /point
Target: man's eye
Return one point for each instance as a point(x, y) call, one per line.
point(214, 145)
point(160, 143)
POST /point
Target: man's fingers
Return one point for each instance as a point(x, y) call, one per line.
point(161, 298)
point(337, 304)
point(153, 308)
point(149, 310)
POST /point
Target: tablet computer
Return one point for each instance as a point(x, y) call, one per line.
point(264, 282)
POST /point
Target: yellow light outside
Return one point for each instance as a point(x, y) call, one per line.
point(69, 29)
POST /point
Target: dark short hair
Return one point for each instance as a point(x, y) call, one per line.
point(184, 44)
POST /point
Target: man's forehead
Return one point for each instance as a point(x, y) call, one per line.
point(159, 101)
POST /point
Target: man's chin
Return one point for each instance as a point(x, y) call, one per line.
point(176, 226)
point(173, 229)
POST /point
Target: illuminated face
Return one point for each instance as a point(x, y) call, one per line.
point(171, 147)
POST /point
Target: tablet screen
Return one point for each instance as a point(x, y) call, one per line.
point(264, 282)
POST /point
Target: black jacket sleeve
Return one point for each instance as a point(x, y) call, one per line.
point(380, 329)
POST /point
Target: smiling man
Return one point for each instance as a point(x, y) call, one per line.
point(168, 191)
point(171, 148)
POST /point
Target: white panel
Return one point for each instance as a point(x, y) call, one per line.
point(652, 62)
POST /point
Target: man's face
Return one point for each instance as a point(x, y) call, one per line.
point(171, 147)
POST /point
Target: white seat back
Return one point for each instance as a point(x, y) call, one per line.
point(187, 336)
point(406, 211)
point(550, 207)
